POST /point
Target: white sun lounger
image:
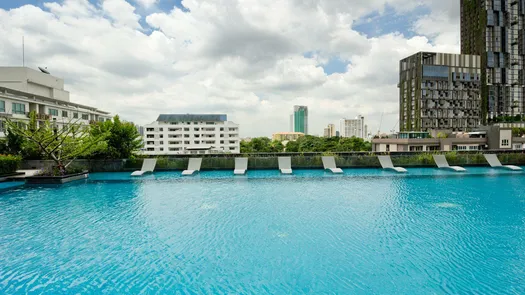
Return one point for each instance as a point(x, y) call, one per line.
point(147, 166)
point(442, 163)
point(285, 165)
point(329, 164)
point(495, 163)
point(386, 163)
point(194, 165)
point(241, 165)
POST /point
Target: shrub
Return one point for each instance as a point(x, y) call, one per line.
point(9, 164)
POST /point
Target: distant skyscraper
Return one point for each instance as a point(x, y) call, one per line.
point(300, 119)
point(353, 127)
point(329, 131)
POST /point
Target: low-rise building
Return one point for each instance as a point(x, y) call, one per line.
point(287, 136)
point(173, 134)
point(24, 90)
point(484, 138)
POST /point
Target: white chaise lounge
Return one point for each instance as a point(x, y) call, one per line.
point(386, 163)
point(147, 166)
point(241, 165)
point(285, 165)
point(442, 163)
point(329, 164)
point(495, 163)
point(194, 165)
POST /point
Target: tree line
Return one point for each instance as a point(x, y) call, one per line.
point(306, 144)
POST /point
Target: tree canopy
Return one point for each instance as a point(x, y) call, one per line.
point(62, 143)
point(305, 144)
point(122, 139)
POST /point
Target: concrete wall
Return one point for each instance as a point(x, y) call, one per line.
point(298, 162)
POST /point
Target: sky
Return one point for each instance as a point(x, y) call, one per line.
point(250, 59)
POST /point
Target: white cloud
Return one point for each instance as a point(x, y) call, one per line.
point(147, 3)
point(241, 57)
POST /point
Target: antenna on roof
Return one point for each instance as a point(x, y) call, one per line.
point(44, 70)
point(23, 52)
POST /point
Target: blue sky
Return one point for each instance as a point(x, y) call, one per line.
point(373, 25)
point(254, 72)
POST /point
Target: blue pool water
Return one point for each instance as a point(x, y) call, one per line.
point(366, 232)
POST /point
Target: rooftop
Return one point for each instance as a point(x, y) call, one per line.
point(192, 117)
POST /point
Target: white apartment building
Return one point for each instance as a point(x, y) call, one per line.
point(23, 90)
point(174, 134)
point(353, 127)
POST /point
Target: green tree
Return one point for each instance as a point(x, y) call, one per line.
point(122, 139)
point(62, 145)
point(292, 147)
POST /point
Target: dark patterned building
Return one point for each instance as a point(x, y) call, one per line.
point(439, 91)
point(494, 29)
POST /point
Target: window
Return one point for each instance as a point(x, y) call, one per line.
point(150, 136)
point(150, 142)
point(197, 142)
point(195, 129)
point(186, 142)
point(19, 108)
point(150, 149)
point(161, 149)
point(416, 148)
point(186, 135)
point(162, 142)
point(101, 119)
point(473, 148)
point(504, 142)
point(222, 129)
point(161, 129)
point(186, 129)
point(232, 142)
point(85, 117)
point(64, 113)
point(516, 146)
point(222, 141)
point(461, 148)
point(53, 112)
point(162, 136)
point(75, 115)
point(150, 129)
point(2, 106)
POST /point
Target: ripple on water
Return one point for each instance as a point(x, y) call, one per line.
point(447, 205)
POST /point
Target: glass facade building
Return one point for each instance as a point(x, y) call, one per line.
point(300, 119)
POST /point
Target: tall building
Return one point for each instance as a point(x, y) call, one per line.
point(24, 90)
point(300, 119)
point(175, 134)
point(439, 91)
point(494, 30)
point(352, 127)
point(329, 131)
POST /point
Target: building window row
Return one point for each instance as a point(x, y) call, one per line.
point(2, 106)
point(19, 108)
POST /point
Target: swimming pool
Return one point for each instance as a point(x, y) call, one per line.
point(366, 232)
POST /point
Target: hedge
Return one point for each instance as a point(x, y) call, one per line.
point(9, 164)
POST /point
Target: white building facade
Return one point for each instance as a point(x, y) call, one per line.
point(23, 90)
point(353, 127)
point(174, 134)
